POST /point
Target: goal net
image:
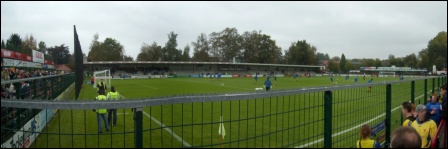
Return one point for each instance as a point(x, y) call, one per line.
point(387, 74)
point(102, 75)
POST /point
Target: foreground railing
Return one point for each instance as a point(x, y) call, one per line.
point(308, 117)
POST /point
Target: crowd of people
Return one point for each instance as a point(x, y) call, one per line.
point(11, 117)
point(420, 127)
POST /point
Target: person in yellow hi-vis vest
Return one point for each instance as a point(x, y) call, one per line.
point(365, 141)
point(101, 113)
point(112, 95)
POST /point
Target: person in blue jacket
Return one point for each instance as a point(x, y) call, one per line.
point(434, 109)
point(267, 84)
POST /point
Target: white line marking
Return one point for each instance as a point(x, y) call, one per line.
point(144, 85)
point(212, 83)
point(168, 130)
point(356, 127)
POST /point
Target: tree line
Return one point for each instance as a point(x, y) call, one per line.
point(229, 44)
point(59, 53)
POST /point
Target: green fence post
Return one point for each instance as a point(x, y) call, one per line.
point(413, 92)
point(138, 128)
point(35, 88)
point(53, 93)
point(328, 122)
point(426, 92)
point(388, 112)
point(438, 83)
point(433, 86)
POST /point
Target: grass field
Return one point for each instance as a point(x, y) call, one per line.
point(285, 121)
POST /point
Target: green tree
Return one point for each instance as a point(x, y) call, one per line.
point(186, 53)
point(321, 57)
point(435, 52)
point(226, 44)
point(259, 48)
point(301, 53)
point(14, 43)
point(170, 53)
point(377, 63)
point(128, 58)
point(348, 66)
point(3, 44)
point(342, 63)
point(201, 49)
point(336, 58)
point(42, 47)
point(368, 62)
point(28, 44)
point(95, 49)
point(151, 52)
point(249, 46)
point(112, 50)
point(410, 60)
point(108, 50)
point(59, 54)
point(333, 66)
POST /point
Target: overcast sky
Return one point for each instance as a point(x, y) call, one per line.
point(357, 29)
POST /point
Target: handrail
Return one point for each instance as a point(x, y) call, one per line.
point(434, 139)
point(32, 78)
point(154, 101)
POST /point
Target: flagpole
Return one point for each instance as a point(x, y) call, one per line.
point(222, 139)
point(222, 145)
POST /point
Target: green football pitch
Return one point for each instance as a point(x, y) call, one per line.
point(285, 121)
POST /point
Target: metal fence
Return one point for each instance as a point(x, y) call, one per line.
point(310, 117)
point(41, 88)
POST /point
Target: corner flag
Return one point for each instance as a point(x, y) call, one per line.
point(222, 130)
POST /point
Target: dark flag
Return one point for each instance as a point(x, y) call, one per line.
point(78, 66)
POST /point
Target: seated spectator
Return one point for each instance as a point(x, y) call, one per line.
point(434, 108)
point(365, 141)
point(405, 137)
point(426, 127)
point(406, 110)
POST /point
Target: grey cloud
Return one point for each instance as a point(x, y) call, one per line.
point(357, 29)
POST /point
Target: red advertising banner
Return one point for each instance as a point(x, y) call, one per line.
point(26, 58)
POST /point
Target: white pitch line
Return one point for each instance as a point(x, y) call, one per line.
point(144, 85)
point(212, 83)
point(356, 127)
point(168, 130)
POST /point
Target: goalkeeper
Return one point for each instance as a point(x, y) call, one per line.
point(268, 84)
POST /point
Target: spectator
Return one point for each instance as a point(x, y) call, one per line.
point(11, 91)
point(24, 90)
point(405, 137)
point(365, 141)
point(434, 108)
point(406, 110)
point(425, 127)
point(101, 113)
point(444, 102)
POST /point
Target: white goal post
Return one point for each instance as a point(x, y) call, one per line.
point(386, 74)
point(99, 75)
